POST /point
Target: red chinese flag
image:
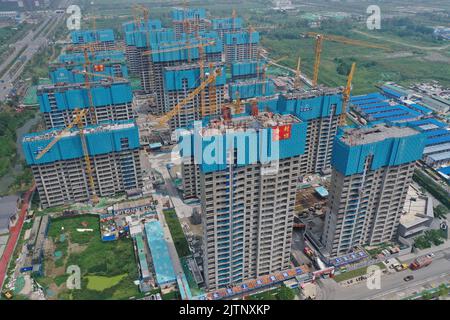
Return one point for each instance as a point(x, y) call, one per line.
point(99, 68)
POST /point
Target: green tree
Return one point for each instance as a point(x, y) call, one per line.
point(443, 290)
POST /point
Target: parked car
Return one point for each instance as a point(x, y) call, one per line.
point(409, 278)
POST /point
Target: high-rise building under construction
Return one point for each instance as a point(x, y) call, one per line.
point(132, 49)
point(177, 54)
point(181, 81)
point(188, 21)
point(320, 109)
point(241, 46)
point(107, 101)
point(62, 175)
point(247, 193)
point(98, 40)
point(372, 171)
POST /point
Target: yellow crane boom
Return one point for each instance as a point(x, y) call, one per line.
point(79, 115)
point(317, 54)
point(211, 78)
point(318, 48)
point(346, 95)
point(99, 75)
point(193, 46)
point(298, 75)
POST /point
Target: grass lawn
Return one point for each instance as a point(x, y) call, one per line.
point(355, 273)
point(108, 269)
point(177, 233)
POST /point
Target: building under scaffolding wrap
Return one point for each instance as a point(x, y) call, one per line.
point(172, 54)
point(372, 171)
point(248, 192)
point(70, 67)
point(180, 81)
point(100, 40)
point(188, 21)
point(112, 101)
point(61, 175)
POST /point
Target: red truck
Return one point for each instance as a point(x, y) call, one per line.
point(420, 263)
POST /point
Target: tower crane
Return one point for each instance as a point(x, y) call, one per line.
point(319, 43)
point(100, 75)
point(77, 121)
point(298, 75)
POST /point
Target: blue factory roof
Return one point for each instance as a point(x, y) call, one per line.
point(142, 25)
point(439, 140)
point(181, 14)
point(389, 146)
point(139, 38)
point(392, 92)
point(367, 97)
point(101, 139)
point(227, 23)
point(313, 104)
point(251, 89)
point(162, 262)
point(76, 96)
point(175, 78)
point(242, 37)
point(420, 108)
point(89, 36)
point(430, 121)
point(445, 170)
point(265, 139)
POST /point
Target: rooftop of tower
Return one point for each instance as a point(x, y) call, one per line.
point(313, 92)
point(263, 120)
point(377, 133)
point(50, 134)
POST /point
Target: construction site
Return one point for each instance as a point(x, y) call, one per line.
point(99, 138)
point(104, 166)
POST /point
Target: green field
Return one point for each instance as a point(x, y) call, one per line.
point(108, 270)
point(99, 283)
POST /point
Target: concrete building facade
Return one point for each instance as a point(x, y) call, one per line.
point(112, 101)
point(241, 46)
point(321, 109)
point(61, 175)
point(179, 82)
point(248, 202)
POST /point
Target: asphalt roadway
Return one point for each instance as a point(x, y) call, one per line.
point(393, 285)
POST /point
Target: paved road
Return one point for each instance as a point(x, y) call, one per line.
point(390, 284)
point(32, 46)
point(403, 43)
